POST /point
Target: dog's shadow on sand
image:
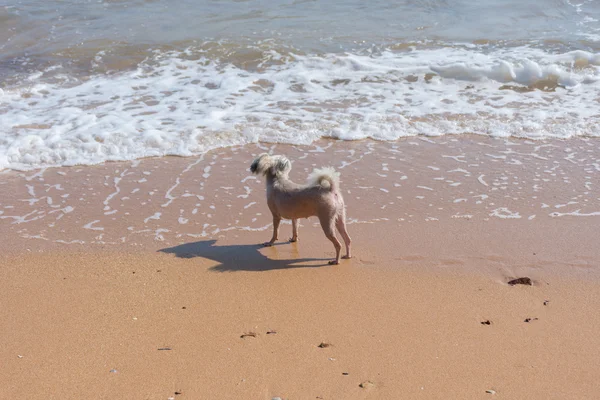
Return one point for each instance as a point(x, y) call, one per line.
point(244, 257)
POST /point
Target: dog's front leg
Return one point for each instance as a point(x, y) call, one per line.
point(294, 237)
point(276, 221)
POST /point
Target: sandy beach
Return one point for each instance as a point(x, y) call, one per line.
point(146, 280)
point(131, 259)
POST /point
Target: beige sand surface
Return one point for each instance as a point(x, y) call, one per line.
point(112, 286)
point(69, 319)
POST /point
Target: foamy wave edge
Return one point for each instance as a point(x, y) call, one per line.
point(178, 105)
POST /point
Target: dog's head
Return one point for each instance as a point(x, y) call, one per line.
point(276, 166)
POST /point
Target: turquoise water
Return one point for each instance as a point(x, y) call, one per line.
point(40, 29)
point(82, 82)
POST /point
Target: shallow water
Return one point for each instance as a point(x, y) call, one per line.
point(542, 187)
point(83, 82)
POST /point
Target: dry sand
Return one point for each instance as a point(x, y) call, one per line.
point(132, 294)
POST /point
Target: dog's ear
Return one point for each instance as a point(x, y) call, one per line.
point(282, 166)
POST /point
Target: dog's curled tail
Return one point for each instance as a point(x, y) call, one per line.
point(327, 178)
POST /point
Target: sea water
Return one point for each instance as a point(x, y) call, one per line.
point(83, 82)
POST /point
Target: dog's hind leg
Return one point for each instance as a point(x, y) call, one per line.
point(294, 237)
point(328, 225)
point(340, 223)
point(276, 221)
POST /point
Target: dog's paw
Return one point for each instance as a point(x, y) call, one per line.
point(333, 262)
point(346, 257)
point(268, 244)
point(292, 240)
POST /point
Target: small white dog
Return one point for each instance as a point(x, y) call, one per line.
point(321, 197)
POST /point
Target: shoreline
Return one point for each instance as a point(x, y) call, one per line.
point(165, 292)
point(447, 198)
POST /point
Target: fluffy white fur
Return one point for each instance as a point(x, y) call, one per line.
point(325, 177)
point(321, 197)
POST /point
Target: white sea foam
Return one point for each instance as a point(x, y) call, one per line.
point(155, 216)
point(505, 213)
point(576, 213)
point(174, 105)
point(94, 228)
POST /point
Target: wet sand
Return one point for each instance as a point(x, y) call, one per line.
point(138, 280)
